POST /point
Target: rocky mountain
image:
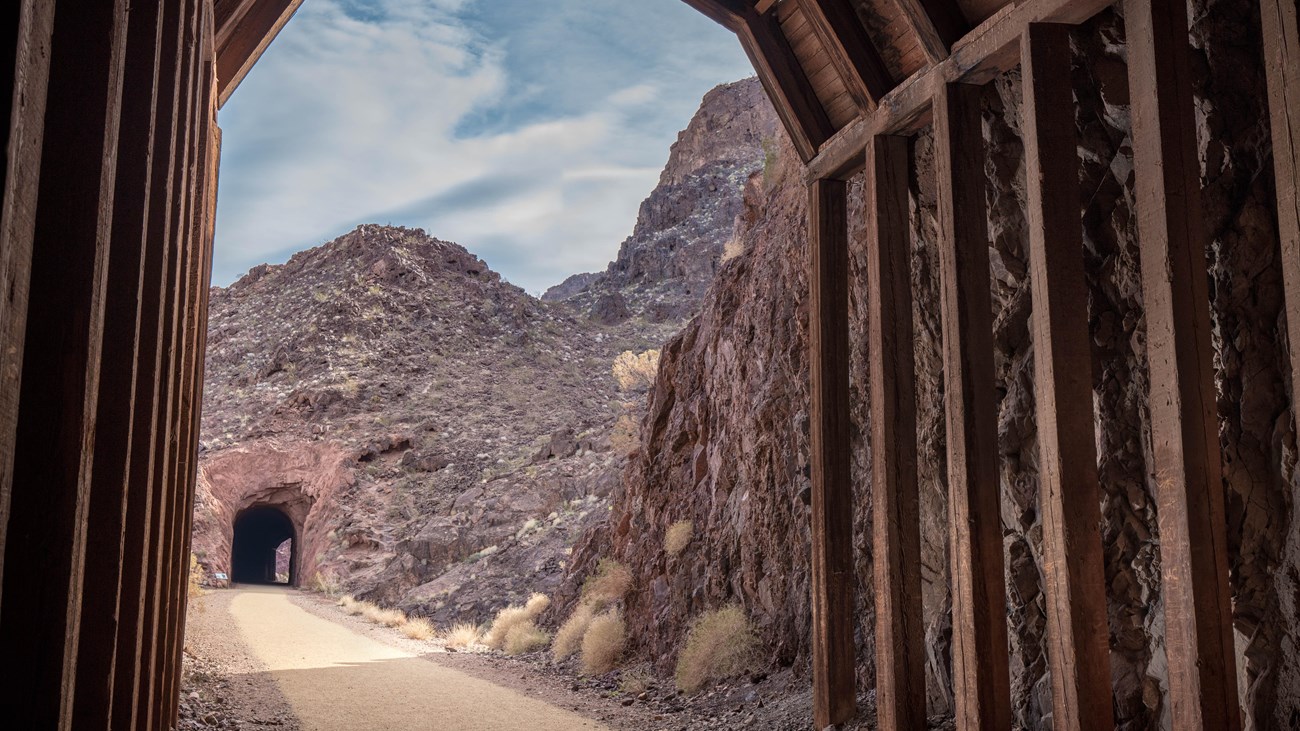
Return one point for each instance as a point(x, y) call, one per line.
point(724, 441)
point(441, 436)
point(664, 268)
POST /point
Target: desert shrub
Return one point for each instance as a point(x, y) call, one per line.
point(325, 584)
point(195, 578)
point(636, 372)
point(511, 616)
point(732, 249)
point(610, 582)
point(720, 644)
point(419, 629)
point(386, 617)
point(677, 537)
point(461, 636)
point(525, 637)
point(353, 606)
point(568, 639)
point(603, 643)
point(637, 680)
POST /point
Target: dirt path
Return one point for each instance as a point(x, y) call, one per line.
point(335, 678)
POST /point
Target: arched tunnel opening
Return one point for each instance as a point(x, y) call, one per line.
point(260, 531)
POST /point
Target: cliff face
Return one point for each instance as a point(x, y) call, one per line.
point(664, 268)
point(724, 440)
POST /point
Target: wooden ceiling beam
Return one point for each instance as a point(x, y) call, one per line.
point(785, 82)
point(991, 48)
point(850, 50)
point(937, 24)
point(730, 14)
point(243, 34)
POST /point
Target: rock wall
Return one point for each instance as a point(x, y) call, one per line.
point(725, 435)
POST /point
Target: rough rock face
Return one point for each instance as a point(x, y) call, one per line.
point(724, 440)
point(664, 268)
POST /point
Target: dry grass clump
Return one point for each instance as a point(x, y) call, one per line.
point(326, 584)
point(514, 615)
point(524, 637)
point(461, 636)
point(353, 606)
point(637, 680)
point(603, 643)
point(678, 536)
point(610, 582)
point(636, 372)
point(568, 639)
point(419, 629)
point(720, 644)
point(386, 617)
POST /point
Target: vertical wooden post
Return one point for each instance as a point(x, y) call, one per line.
point(45, 541)
point(981, 679)
point(32, 24)
point(1281, 33)
point(896, 518)
point(1184, 423)
point(1074, 578)
point(834, 680)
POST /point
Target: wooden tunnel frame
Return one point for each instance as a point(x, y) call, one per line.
point(1190, 495)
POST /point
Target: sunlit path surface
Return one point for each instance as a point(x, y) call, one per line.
point(335, 678)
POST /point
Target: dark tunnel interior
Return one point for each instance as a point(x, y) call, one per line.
point(259, 531)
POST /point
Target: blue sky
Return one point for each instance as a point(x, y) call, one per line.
point(528, 131)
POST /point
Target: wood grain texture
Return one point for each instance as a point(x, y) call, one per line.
point(1281, 35)
point(833, 580)
point(980, 669)
point(989, 49)
point(937, 24)
point(1073, 571)
point(785, 82)
point(32, 28)
point(895, 502)
point(248, 35)
point(851, 52)
point(46, 538)
point(727, 13)
point(1184, 421)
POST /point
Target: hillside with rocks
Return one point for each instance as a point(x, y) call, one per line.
point(442, 436)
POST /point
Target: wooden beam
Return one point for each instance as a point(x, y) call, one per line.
point(850, 50)
point(991, 48)
point(114, 422)
point(247, 38)
point(730, 14)
point(1184, 421)
point(834, 681)
point(896, 517)
point(981, 680)
point(785, 82)
point(1281, 32)
point(32, 27)
point(937, 25)
point(45, 542)
point(1073, 570)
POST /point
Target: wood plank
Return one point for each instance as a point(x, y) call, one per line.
point(1281, 32)
point(32, 28)
point(786, 84)
point(727, 13)
point(936, 24)
point(1184, 421)
point(833, 580)
point(115, 408)
point(981, 681)
point(252, 34)
point(45, 541)
point(895, 502)
point(849, 49)
point(991, 48)
point(1073, 569)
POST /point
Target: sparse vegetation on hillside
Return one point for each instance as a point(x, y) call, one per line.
point(603, 643)
point(461, 636)
point(506, 619)
point(569, 637)
point(419, 629)
point(678, 537)
point(635, 372)
point(720, 644)
point(525, 637)
point(609, 584)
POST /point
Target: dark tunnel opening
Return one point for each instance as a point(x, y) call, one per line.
point(259, 532)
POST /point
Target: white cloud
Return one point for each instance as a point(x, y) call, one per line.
point(434, 114)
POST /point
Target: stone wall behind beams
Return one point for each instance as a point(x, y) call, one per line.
point(725, 441)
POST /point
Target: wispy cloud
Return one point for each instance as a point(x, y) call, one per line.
point(529, 132)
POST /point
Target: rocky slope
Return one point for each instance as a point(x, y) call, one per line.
point(441, 436)
point(664, 268)
point(724, 440)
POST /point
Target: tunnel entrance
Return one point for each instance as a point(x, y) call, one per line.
point(259, 533)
